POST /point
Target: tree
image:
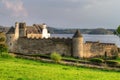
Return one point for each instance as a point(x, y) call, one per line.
point(117, 32)
point(3, 47)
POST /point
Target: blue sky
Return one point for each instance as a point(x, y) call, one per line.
point(62, 13)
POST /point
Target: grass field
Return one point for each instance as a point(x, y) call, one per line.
point(21, 69)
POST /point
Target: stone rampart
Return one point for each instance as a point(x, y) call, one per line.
point(96, 49)
point(44, 46)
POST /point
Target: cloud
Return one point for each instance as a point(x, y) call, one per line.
point(73, 1)
point(79, 13)
point(15, 7)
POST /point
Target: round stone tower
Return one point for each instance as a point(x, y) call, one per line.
point(77, 45)
point(10, 39)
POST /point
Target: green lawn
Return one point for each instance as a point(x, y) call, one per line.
point(21, 69)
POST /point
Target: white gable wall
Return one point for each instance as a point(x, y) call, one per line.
point(45, 33)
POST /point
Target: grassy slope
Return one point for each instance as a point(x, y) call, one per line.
point(20, 69)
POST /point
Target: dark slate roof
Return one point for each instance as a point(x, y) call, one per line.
point(35, 29)
point(11, 30)
point(77, 34)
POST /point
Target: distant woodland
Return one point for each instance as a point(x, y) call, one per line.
point(70, 31)
point(83, 31)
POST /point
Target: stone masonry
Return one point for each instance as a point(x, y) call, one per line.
point(18, 42)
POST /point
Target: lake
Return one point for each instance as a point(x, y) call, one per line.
point(102, 38)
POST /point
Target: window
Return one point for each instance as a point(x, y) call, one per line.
point(10, 44)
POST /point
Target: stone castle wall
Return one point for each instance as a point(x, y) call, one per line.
point(43, 46)
point(62, 46)
point(96, 49)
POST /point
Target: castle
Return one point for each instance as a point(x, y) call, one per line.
point(36, 40)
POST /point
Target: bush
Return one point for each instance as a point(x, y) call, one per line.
point(2, 39)
point(96, 60)
point(6, 55)
point(55, 56)
point(3, 48)
point(112, 63)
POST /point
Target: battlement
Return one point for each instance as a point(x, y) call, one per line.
point(50, 38)
point(98, 42)
point(91, 42)
point(108, 44)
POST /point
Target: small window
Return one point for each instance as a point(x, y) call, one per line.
point(10, 44)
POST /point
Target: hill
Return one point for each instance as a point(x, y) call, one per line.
point(100, 31)
point(4, 29)
point(21, 69)
point(83, 31)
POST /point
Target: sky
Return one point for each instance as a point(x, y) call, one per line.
point(62, 13)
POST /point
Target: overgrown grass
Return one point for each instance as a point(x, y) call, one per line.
point(21, 69)
point(118, 59)
point(6, 55)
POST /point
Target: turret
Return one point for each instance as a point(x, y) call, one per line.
point(78, 45)
point(10, 39)
point(16, 30)
point(22, 29)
